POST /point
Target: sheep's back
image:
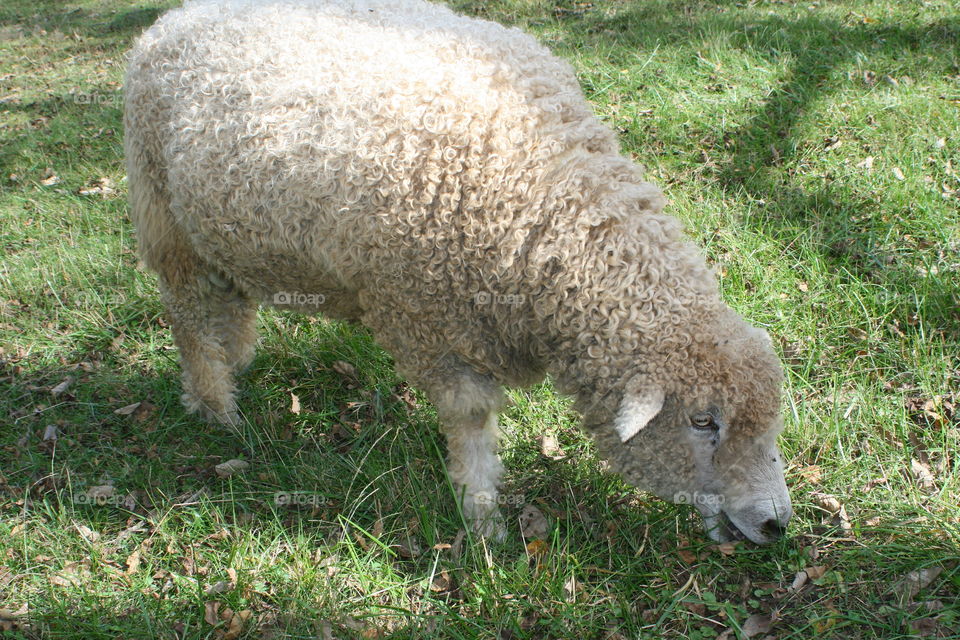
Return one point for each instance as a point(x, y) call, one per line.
point(332, 136)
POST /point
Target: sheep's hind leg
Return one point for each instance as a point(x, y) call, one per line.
point(467, 406)
point(214, 328)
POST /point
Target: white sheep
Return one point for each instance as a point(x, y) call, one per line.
point(441, 180)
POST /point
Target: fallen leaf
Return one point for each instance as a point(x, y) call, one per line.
point(922, 474)
point(294, 404)
point(62, 387)
point(444, 583)
point(231, 467)
point(50, 433)
point(98, 186)
point(235, 622)
point(687, 556)
point(327, 562)
point(866, 163)
point(799, 580)
point(756, 624)
point(86, 532)
point(830, 503)
point(913, 583)
point(127, 410)
point(550, 448)
point(812, 473)
point(533, 524)
point(897, 173)
point(133, 562)
point(345, 369)
point(537, 548)
point(73, 574)
point(726, 548)
point(570, 589)
point(929, 627)
point(50, 179)
point(815, 573)
point(211, 613)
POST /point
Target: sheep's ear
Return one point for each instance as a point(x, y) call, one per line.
point(637, 410)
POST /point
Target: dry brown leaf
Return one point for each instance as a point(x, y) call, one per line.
point(231, 467)
point(221, 586)
point(86, 532)
point(866, 163)
point(550, 448)
point(235, 622)
point(799, 580)
point(812, 473)
point(62, 387)
point(72, 574)
point(756, 624)
point(914, 582)
point(687, 556)
point(127, 410)
point(98, 186)
point(211, 613)
point(897, 173)
point(133, 562)
point(923, 475)
point(815, 573)
point(533, 524)
point(294, 404)
point(345, 369)
point(537, 548)
point(445, 584)
point(726, 548)
point(570, 589)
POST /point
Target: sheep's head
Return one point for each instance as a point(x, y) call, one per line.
point(715, 449)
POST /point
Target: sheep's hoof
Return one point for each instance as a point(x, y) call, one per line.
point(226, 416)
point(490, 526)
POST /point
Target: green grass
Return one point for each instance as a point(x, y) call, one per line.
point(758, 118)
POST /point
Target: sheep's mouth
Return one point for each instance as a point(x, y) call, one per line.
point(729, 530)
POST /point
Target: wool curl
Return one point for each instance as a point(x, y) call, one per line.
point(438, 178)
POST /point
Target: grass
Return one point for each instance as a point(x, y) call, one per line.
point(812, 149)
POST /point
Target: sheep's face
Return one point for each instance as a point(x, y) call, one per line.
point(709, 457)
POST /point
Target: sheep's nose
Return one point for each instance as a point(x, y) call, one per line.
point(774, 529)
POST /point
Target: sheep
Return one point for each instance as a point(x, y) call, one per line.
point(442, 180)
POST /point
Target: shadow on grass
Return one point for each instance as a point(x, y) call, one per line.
point(116, 24)
point(844, 221)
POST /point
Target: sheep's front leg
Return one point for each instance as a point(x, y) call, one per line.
point(214, 327)
point(468, 407)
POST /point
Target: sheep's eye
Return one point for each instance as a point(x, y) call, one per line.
point(704, 421)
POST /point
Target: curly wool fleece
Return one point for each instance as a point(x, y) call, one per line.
point(438, 178)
